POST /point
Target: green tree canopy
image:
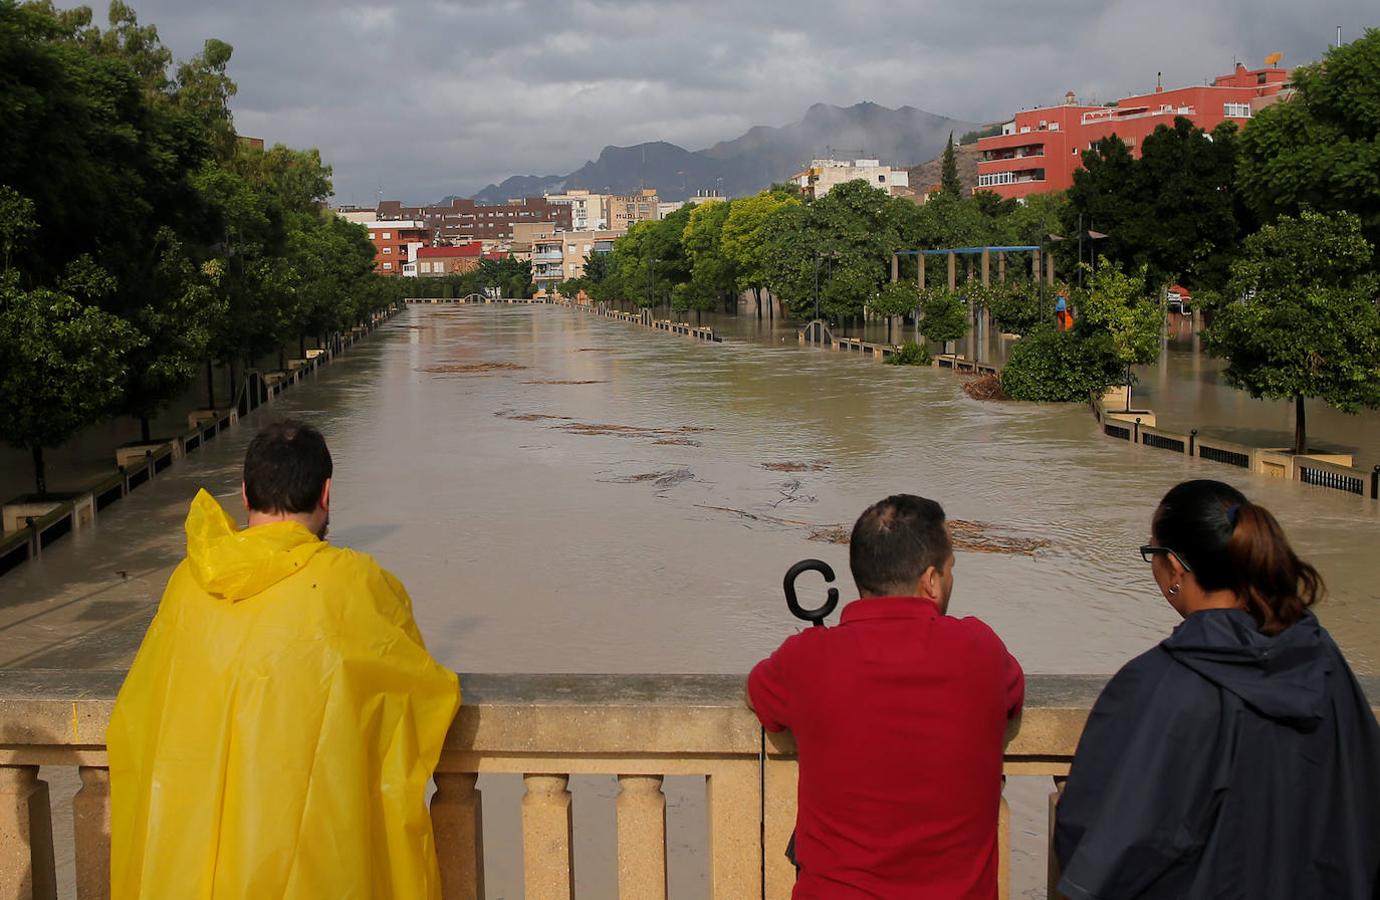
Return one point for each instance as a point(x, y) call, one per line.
point(1319, 148)
point(1300, 317)
point(948, 179)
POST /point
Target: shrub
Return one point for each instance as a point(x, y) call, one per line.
point(1056, 366)
point(910, 354)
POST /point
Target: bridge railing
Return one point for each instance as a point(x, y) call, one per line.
point(542, 728)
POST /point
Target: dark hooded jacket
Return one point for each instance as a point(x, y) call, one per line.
point(1226, 764)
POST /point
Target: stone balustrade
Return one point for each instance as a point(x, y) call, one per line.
point(542, 728)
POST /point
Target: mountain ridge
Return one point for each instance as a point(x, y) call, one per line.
point(755, 159)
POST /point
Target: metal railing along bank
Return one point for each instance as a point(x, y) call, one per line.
point(79, 509)
point(1273, 462)
point(637, 729)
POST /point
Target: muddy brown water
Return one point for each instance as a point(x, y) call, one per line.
point(633, 510)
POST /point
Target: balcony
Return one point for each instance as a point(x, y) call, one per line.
point(547, 255)
point(1025, 176)
point(1013, 153)
point(542, 729)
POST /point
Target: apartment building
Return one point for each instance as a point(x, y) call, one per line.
point(628, 209)
point(434, 262)
point(1040, 149)
point(822, 175)
point(463, 220)
point(396, 243)
point(556, 257)
point(587, 210)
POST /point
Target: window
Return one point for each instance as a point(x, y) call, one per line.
point(1236, 110)
point(387, 235)
point(1073, 150)
point(388, 265)
point(372, 236)
point(387, 250)
point(1053, 126)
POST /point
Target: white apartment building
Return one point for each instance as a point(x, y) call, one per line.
point(825, 174)
point(588, 211)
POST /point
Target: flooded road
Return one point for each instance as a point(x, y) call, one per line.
point(610, 499)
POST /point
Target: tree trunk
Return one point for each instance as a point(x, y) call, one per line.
point(40, 473)
point(210, 385)
point(282, 357)
point(889, 321)
point(144, 434)
point(757, 295)
point(1128, 388)
point(1300, 426)
point(301, 346)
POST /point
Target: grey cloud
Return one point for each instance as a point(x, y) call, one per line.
point(423, 98)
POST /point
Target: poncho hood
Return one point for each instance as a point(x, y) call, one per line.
point(233, 563)
point(1283, 677)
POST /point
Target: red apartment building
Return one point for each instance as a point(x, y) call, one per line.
point(433, 262)
point(465, 220)
point(1040, 150)
point(391, 240)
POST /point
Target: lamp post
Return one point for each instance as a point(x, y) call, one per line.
point(1044, 266)
point(651, 280)
point(820, 256)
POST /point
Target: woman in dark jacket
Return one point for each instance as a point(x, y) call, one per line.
point(1239, 758)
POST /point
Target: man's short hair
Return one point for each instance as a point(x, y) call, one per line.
point(894, 541)
point(285, 468)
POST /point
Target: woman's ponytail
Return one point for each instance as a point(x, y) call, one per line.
point(1276, 585)
point(1233, 544)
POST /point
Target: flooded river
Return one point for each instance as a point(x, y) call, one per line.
point(565, 493)
point(623, 500)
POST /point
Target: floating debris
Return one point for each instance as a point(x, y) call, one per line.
point(528, 417)
point(669, 478)
point(595, 350)
point(807, 465)
point(565, 381)
point(969, 537)
point(985, 387)
point(677, 442)
point(791, 493)
point(591, 429)
point(471, 368)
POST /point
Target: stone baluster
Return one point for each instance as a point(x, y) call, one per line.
point(735, 851)
point(27, 871)
point(641, 838)
point(1054, 873)
point(547, 850)
point(91, 833)
point(457, 820)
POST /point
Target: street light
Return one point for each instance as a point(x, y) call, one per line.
point(651, 279)
point(820, 255)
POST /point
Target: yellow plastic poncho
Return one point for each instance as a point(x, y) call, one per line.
point(276, 733)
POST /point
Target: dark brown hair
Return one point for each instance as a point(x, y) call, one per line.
point(894, 541)
point(1232, 544)
point(285, 468)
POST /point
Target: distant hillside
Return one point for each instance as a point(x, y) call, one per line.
point(754, 160)
point(929, 173)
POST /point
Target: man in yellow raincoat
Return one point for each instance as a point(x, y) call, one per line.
point(276, 733)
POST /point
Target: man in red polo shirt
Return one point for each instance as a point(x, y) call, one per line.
point(899, 715)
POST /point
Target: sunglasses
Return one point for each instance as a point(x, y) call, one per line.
point(1149, 551)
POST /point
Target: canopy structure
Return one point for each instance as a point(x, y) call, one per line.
point(952, 253)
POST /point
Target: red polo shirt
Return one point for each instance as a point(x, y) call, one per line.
point(899, 715)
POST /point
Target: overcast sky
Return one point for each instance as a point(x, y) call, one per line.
point(423, 98)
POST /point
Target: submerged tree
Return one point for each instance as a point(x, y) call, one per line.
point(1122, 324)
point(1301, 319)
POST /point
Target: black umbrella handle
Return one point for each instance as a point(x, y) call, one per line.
point(818, 615)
